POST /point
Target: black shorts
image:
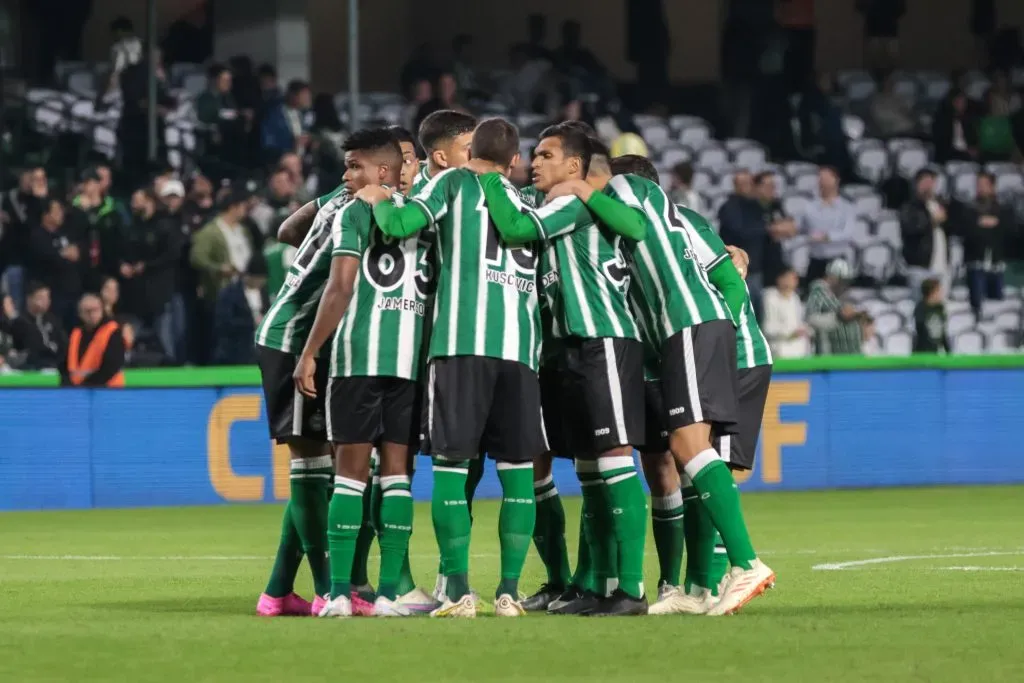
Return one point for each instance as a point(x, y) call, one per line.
point(373, 409)
point(602, 394)
point(289, 413)
point(738, 451)
point(655, 433)
point(480, 405)
point(551, 409)
point(698, 377)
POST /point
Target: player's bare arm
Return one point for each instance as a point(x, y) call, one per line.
point(295, 228)
point(335, 301)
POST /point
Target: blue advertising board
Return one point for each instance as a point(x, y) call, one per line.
point(109, 448)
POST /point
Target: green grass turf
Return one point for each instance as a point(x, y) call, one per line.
point(168, 595)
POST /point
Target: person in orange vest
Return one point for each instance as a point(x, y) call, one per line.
point(95, 350)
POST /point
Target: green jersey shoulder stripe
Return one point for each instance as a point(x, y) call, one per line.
point(751, 346)
point(289, 320)
point(324, 198)
point(486, 302)
point(381, 333)
point(421, 179)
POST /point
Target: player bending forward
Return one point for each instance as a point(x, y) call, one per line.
point(482, 390)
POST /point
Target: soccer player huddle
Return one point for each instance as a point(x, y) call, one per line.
point(435, 308)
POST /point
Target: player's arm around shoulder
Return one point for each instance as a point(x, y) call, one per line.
point(515, 221)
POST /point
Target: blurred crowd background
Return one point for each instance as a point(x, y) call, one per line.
point(882, 206)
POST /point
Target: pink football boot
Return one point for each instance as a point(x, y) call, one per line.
point(291, 605)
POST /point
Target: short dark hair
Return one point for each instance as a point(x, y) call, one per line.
point(266, 70)
point(495, 140)
point(34, 286)
point(924, 173)
point(295, 87)
point(377, 141)
point(48, 203)
point(684, 171)
point(928, 287)
point(214, 71)
point(636, 165)
point(402, 135)
point(987, 175)
point(583, 126)
point(575, 142)
point(122, 24)
point(763, 176)
point(443, 126)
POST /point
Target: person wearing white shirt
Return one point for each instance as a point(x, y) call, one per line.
point(828, 221)
point(784, 326)
point(682, 191)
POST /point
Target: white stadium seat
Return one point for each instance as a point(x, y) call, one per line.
point(888, 323)
point(969, 342)
point(887, 229)
point(911, 160)
point(1008, 321)
point(795, 204)
point(959, 322)
point(713, 158)
point(875, 307)
point(695, 135)
point(877, 261)
point(872, 163)
point(899, 343)
point(906, 308)
point(965, 185)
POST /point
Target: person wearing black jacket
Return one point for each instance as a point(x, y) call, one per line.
point(986, 225)
point(930, 320)
point(148, 263)
point(923, 224)
point(21, 207)
point(37, 332)
point(742, 220)
point(52, 258)
point(241, 306)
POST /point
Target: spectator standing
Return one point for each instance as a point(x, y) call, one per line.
point(241, 306)
point(682, 191)
point(125, 51)
point(276, 204)
point(98, 227)
point(836, 325)
point(133, 126)
point(284, 126)
point(742, 224)
point(923, 227)
point(226, 124)
point(828, 223)
point(21, 208)
point(891, 114)
point(986, 225)
point(955, 129)
point(780, 227)
point(446, 96)
point(37, 333)
point(148, 267)
point(110, 297)
point(784, 325)
point(995, 129)
point(882, 30)
point(53, 259)
point(930, 320)
point(96, 350)
point(823, 139)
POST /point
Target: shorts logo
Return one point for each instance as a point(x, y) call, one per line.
point(616, 511)
point(677, 411)
point(316, 421)
point(705, 496)
point(603, 431)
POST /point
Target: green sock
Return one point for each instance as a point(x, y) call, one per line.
point(309, 479)
point(364, 542)
point(667, 524)
point(287, 560)
point(597, 527)
point(713, 480)
point(700, 538)
point(719, 564)
point(628, 507)
point(515, 523)
point(450, 513)
point(549, 532)
point(473, 477)
point(345, 520)
point(584, 578)
point(405, 581)
point(395, 530)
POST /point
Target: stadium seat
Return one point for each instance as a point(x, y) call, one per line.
point(906, 85)
point(875, 307)
point(655, 135)
point(853, 126)
point(855, 295)
point(703, 180)
point(794, 169)
point(82, 83)
point(899, 343)
point(860, 89)
point(958, 293)
point(965, 185)
point(860, 233)
point(906, 308)
point(866, 200)
point(81, 116)
point(680, 122)
point(872, 163)
point(977, 85)
point(969, 342)
point(889, 322)
point(795, 204)
point(1008, 321)
point(877, 261)
point(712, 157)
point(1002, 342)
point(753, 158)
point(195, 83)
point(955, 168)
point(959, 322)
point(644, 120)
point(910, 160)
point(992, 308)
point(726, 183)
point(895, 294)
point(1009, 184)
point(797, 254)
point(887, 229)
point(934, 85)
point(807, 183)
point(695, 135)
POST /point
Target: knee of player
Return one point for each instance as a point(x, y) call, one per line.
point(660, 472)
point(689, 441)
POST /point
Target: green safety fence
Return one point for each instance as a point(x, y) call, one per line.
point(249, 376)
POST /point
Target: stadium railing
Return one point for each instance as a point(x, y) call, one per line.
point(197, 436)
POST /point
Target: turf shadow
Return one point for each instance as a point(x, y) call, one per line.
point(212, 605)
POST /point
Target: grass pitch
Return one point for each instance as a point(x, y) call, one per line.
point(893, 585)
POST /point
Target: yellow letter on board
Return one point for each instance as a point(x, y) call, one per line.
point(227, 411)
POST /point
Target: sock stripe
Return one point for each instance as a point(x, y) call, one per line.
point(706, 458)
point(591, 482)
point(547, 494)
point(318, 475)
point(452, 470)
point(318, 463)
point(538, 485)
point(347, 486)
point(669, 502)
point(502, 466)
point(720, 550)
point(620, 477)
point(617, 462)
point(397, 492)
point(659, 518)
point(386, 482)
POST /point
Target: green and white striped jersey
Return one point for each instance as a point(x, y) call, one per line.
point(279, 258)
point(751, 346)
point(381, 333)
point(486, 303)
point(586, 287)
point(675, 292)
point(550, 346)
point(289, 320)
point(324, 198)
point(421, 179)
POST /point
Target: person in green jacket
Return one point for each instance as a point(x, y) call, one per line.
point(221, 250)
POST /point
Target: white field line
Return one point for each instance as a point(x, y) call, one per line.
point(982, 569)
point(838, 566)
